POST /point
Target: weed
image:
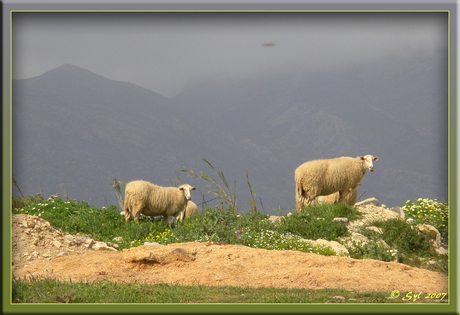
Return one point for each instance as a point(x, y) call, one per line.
point(226, 194)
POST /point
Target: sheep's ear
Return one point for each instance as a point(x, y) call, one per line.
point(362, 158)
point(376, 158)
point(193, 188)
point(181, 188)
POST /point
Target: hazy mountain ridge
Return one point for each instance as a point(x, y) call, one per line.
point(79, 129)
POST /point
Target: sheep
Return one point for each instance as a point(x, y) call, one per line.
point(145, 198)
point(324, 177)
point(190, 210)
point(350, 198)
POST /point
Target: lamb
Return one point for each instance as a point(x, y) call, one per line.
point(350, 198)
point(324, 177)
point(190, 210)
point(152, 200)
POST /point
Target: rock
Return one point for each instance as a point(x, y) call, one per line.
point(79, 239)
point(152, 244)
point(102, 246)
point(432, 233)
point(390, 215)
point(89, 241)
point(370, 201)
point(340, 220)
point(35, 241)
point(118, 239)
point(441, 251)
point(339, 297)
point(399, 211)
point(28, 224)
point(89, 244)
point(374, 229)
point(62, 254)
point(57, 244)
point(335, 246)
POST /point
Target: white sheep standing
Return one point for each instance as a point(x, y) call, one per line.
point(152, 200)
point(324, 177)
point(190, 210)
point(350, 198)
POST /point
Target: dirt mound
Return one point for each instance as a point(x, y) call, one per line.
point(40, 251)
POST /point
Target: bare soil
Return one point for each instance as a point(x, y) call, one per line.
point(43, 252)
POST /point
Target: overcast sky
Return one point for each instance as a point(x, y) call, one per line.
point(164, 51)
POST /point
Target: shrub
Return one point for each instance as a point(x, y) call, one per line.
point(371, 251)
point(426, 211)
point(405, 242)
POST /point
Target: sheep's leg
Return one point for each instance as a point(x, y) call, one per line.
point(304, 202)
point(344, 194)
point(127, 214)
point(136, 213)
point(168, 220)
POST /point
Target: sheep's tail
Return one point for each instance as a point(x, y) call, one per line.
point(126, 208)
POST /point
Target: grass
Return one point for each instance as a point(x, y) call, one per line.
point(50, 291)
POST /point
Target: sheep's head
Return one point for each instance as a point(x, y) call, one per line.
point(187, 190)
point(368, 159)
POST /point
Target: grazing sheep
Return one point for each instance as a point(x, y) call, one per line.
point(324, 177)
point(190, 210)
point(152, 200)
point(350, 198)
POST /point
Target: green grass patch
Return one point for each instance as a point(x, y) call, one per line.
point(315, 222)
point(50, 291)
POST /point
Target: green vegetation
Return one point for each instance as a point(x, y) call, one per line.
point(212, 225)
point(50, 291)
point(426, 211)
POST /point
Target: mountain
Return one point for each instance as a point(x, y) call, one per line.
point(77, 129)
point(74, 128)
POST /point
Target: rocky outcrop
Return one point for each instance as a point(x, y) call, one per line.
point(35, 239)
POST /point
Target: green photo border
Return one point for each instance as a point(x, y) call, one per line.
point(9, 7)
